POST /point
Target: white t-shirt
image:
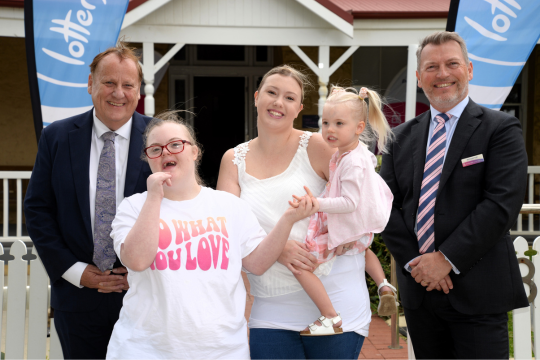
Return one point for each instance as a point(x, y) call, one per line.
point(190, 303)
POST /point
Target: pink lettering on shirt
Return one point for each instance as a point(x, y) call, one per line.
point(202, 255)
point(182, 232)
point(215, 247)
point(191, 263)
point(165, 236)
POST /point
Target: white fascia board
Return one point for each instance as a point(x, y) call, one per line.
point(400, 24)
point(12, 22)
point(142, 11)
point(228, 35)
point(328, 16)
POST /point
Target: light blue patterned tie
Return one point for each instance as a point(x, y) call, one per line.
point(104, 255)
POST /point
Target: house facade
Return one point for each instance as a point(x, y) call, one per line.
point(208, 56)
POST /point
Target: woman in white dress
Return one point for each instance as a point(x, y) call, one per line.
point(266, 172)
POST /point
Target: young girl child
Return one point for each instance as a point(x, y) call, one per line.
point(185, 245)
point(355, 204)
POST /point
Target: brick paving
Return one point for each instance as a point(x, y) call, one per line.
point(375, 345)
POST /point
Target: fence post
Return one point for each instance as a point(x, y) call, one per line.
point(1, 290)
point(16, 301)
point(536, 302)
point(394, 319)
point(522, 317)
point(37, 312)
point(55, 348)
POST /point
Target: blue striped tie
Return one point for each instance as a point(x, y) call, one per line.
point(425, 222)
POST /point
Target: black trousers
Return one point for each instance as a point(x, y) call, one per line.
point(85, 335)
point(438, 331)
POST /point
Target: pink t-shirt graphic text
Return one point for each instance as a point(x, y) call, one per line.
point(195, 246)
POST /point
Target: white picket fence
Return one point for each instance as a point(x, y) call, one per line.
point(527, 319)
point(26, 331)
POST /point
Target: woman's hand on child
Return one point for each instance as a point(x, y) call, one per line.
point(296, 256)
point(297, 199)
point(300, 209)
point(156, 181)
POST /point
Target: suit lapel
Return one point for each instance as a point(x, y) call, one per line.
point(134, 163)
point(419, 135)
point(467, 124)
point(79, 144)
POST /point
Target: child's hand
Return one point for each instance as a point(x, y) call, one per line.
point(155, 183)
point(296, 202)
point(297, 199)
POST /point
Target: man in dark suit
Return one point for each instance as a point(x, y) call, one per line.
point(85, 166)
point(458, 175)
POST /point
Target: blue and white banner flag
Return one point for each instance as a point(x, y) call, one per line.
point(500, 36)
point(62, 39)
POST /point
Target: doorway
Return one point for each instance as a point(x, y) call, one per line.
point(219, 105)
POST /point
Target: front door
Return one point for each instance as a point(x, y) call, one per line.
point(219, 107)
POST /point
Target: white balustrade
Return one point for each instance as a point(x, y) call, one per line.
point(18, 176)
point(518, 229)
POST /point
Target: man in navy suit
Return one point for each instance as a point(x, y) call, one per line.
point(60, 204)
point(458, 175)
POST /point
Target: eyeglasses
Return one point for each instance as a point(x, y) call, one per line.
point(174, 147)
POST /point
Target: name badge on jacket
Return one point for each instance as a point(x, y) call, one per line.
point(472, 160)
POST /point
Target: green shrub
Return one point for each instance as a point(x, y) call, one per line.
point(380, 249)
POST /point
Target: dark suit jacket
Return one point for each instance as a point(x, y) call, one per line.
point(474, 210)
point(57, 205)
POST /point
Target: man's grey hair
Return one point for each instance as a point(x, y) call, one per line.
point(438, 38)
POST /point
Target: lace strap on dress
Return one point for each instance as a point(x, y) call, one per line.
point(304, 139)
point(240, 152)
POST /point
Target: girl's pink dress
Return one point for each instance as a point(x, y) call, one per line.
point(355, 204)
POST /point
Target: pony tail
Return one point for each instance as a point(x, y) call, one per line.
point(377, 120)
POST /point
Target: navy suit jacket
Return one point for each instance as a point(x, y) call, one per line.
point(474, 210)
point(57, 205)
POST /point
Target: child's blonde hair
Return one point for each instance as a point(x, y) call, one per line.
point(368, 105)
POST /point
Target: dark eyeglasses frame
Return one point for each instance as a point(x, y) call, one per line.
point(184, 142)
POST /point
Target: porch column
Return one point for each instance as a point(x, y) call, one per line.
point(324, 78)
point(323, 70)
point(148, 75)
point(410, 97)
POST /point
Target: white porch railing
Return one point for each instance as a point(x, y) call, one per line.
point(529, 228)
point(17, 177)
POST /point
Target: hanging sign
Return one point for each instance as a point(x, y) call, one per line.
point(500, 36)
point(62, 39)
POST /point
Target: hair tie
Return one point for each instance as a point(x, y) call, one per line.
point(363, 93)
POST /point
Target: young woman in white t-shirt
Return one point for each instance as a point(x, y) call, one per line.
point(184, 246)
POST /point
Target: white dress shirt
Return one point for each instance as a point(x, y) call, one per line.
point(121, 147)
point(450, 127)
